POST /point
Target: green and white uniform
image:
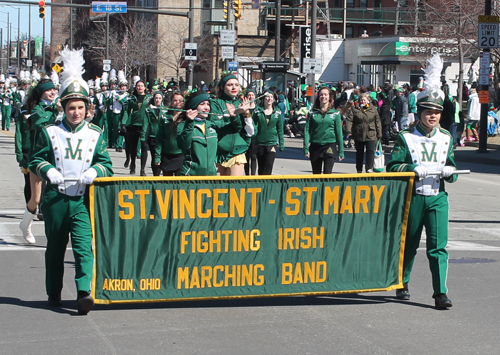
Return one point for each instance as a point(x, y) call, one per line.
point(71, 152)
point(429, 204)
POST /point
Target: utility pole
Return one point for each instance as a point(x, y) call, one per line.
point(396, 22)
point(43, 47)
point(277, 49)
point(190, 73)
point(107, 35)
point(483, 121)
point(18, 40)
point(71, 26)
point(29, 33)
point(314, 17)
point(230, 26)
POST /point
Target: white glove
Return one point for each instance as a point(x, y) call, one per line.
point(447, 171)
point(88, 177)
point(55, 177)
point(421, 171)
point(249, 128)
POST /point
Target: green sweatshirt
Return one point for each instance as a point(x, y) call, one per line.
point(198, 141)
point(230, 144)
point(153, 114)
point(135, 112)
point(166, 139)
point(22, 140)
point(42, 115)
point(268, 132)
point(323, 128)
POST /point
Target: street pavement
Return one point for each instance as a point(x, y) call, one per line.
point(369, 323)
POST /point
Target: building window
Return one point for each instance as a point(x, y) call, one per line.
point(360, 77)
point(350, 3)
point(349, 31)
point(374, 76)
point(377, 3)
point(363, 4)
point(338, 3)
point(390, 73)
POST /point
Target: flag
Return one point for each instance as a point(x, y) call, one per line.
point(125, 41)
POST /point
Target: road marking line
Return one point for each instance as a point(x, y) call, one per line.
point(455, 245)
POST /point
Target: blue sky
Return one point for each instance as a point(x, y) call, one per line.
point(36, 22)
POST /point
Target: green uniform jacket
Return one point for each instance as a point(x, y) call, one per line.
point(401, 160)
point(43, 154)
point(99, 116)
point(22, 140)
point(198, 142)
point(412, 103)
point(363, 124)
point(166, 139)
point(151, 122)
point(323, 128)
point(268, 133)
point(134, 112)
point(230, 144)
point(42, 115)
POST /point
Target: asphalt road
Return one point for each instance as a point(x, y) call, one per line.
point(370, 323)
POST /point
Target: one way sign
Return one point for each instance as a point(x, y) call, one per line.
point(190, 51)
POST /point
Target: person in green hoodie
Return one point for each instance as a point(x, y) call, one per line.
point(198, 136)
point(132, 123)
point(149, 132)
point(232, 147)
point(168, 156)
point(42, 109)
point(269, 125)
point(323, 131)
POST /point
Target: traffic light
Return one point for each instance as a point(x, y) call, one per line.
point(238, 8)
point(225, 9)
point(41, 5)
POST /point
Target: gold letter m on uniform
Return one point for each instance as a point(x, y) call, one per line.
point(432, 157)
point(69, 150)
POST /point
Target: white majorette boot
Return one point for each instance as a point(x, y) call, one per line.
point(25, 226)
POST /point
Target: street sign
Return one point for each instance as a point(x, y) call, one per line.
point(484, 97)
point(312, 66)
point(487, 29)
point(29, 63)
point(232, 66)
point(106, 67)
point(109, 7)
point(484, 69)
point(227, 52)
point(227, 37)
point(190, 51)
point(57, 68)
point(106, 61)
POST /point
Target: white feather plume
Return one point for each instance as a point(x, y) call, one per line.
point(72, 68)
point(7, 83)
point(98, 83)
point(121, 76)
point(35, 75)
point(104, 77)
point(433, 74)
point(91, 83)
point(112, 74)
point(135, 79)
point(22, 75)
point(55, 78)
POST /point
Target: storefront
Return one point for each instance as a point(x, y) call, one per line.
point(399, 60)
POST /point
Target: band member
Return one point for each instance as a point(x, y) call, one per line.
point(71, 149)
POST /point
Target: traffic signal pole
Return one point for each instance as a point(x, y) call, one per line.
point(483, 121)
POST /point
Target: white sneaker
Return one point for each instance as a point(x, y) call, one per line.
point(25, 226)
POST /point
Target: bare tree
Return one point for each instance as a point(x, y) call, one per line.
point(133, 44)
point(171, 48)
point(449, 21)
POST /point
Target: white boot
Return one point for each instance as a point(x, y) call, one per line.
point(25, 226)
